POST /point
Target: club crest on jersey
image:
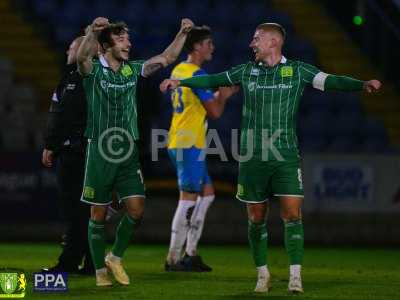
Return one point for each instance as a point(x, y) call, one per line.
point(126, 71)
point(105, 71)
point(240, 190)
point(88, 192)
point(255, 71)
point(251, 86)
point(286, 71)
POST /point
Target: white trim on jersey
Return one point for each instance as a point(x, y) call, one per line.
point(289, 195)
point(251, 202)
point(319, 81)
point(103, 61)
point(227, 75)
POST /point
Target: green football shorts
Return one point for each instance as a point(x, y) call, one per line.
point(261, 180)
point(106, 172)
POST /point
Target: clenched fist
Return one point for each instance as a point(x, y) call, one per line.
point(372, 85)
point(186, 25)
point(99, 24)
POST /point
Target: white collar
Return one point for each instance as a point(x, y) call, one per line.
point(283, 61)
point(103, 61)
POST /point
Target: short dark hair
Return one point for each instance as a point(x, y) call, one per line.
point(196, 35)
point(114, 28)
point(273, 27)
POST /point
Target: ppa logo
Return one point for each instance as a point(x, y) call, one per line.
point(50, 282)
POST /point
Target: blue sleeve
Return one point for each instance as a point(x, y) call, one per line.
point(204, 95)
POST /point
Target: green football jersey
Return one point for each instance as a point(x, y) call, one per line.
point(111, 98)
point(271, 101)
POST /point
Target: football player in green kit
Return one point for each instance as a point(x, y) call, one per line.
point(270, 164)
point(112, 161)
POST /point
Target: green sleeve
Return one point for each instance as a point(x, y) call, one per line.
point(228, 78)
point(207, 81)
point(137, 65)
point(343, 83)
point(308, 72)
point(235, 74)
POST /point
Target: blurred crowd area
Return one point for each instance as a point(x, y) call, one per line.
point(328, 122)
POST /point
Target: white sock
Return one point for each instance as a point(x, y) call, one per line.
point(295, 270)
point(263, 271)
point(197, 223)
point(114, 258)
point(180, 226)
point(101, 271)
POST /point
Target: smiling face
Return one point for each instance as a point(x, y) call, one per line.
point(121, 46)
point(264, 43)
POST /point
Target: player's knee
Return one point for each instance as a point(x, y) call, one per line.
point(290, 216)
point(257, 217)
point(98, 213)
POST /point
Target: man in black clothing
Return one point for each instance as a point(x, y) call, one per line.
point(64, 143)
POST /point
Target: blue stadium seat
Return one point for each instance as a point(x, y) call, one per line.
point(343, 144)
point(346, 124)
point(376, 145)
point(44, 8)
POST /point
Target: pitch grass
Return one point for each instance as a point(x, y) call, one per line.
point(340, 273)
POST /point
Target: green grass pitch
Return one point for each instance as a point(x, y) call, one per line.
point(338, 273)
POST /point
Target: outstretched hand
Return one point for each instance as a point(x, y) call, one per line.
point(372, 85)
point(169, 84)
point(228, 91)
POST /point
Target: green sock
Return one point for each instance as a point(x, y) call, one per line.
point(97, 244)
point(258, 237)
point(124, 233)
point(294, 241)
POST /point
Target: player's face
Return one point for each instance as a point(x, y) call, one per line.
point(262, 44)
point(206, 49)
point(122, 46)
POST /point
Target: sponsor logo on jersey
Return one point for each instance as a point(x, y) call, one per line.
point(286, 71)
point(71, 86)
point(252, 86)
point(126, 71)
point(105, 85)
point(255, 71)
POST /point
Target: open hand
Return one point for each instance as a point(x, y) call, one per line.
point(228, 91)
point(372, 85)
point(169, 84)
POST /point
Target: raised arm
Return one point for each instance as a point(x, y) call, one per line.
point(171, 53)
point(85, 51)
